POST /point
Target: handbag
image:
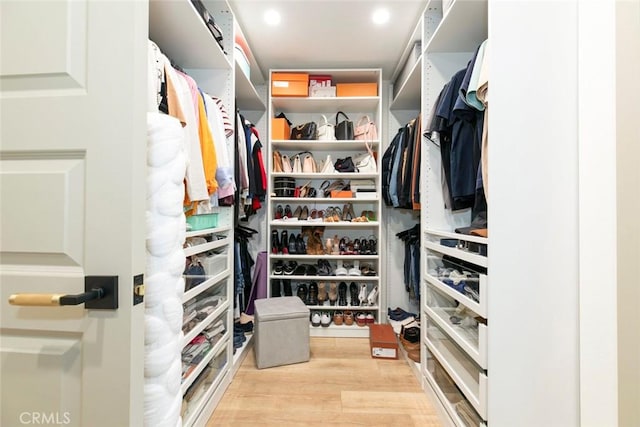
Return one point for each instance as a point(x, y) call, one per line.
point(365, 130)
point(326, 131)
point(309, 164)
point(307, 131)
point(366, 163)
point(286, 164)
point(297, 165)
point(344, 129)
point(277, 161)
point(327, 165)
point(345, 165)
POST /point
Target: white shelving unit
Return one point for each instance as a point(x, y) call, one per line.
point(455, 358)
point(301, 110)
point(181, 34)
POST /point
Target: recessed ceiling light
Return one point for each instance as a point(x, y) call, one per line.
point(380, 16)
point(272, 17)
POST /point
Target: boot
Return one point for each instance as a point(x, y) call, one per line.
point(275, 242)
point(333, 293)
point(373, 296)
point(275, 288)
point(286, 285)
point(313, 294)
point(322, 293)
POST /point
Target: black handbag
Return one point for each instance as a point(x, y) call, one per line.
point(307, 131)
point(345, 165)
point(344, 129)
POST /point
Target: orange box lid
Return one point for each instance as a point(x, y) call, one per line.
point(291, 77)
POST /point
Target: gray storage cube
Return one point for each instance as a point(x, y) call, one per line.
point(281, 331)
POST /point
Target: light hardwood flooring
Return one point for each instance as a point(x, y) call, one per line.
point(340, 385)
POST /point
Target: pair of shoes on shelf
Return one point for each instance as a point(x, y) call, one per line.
point(399, 314)
point(320, 319)
point(347, 212)
point(324, 268)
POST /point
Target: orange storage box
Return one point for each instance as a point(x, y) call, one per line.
point(383, 342)
point(280, 129)
point(357, 89)
point(289, 84)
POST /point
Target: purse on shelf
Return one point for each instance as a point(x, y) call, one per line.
point(286, 164)
point(309, 163)
point(366, 163)
point(326, 131)
point(327, 165)
point(277, 161)
point(344, 129)
point(365, 130)
point(345, 165)
point(297, 164)
point(307, 131)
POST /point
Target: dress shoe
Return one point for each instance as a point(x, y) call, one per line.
point(338, 318)
point(348, 318)
point(342, 293)
point(287, 212)
point(414, 355)
point(292, 244)
point(313, 294)
point(353, 292)
point(286, 288)
point(302, 292)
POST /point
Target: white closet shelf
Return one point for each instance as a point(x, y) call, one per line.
point(329, 200)
point(206, 231)
point(474, 342)
point(204, 323)
point(215, 350)
point(172, 22)
point(341, 331)
point(193, 250)
point(314, 257)
point(408, 96)
point(463, 14)
point(206, 285)
point(326, 278)
point(459, 236)
point(305, 223)
point(479, 308)
point(246, 95)
point(308, 105)
point(306, 145)
point(458, 253)
point(353, 308)
point(330, 176)
point(465, 373)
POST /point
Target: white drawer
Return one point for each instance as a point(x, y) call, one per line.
point(454, 402)
point(469, 334)
point(468, 376)
point(475, 293)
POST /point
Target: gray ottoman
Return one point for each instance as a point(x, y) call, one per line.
point(281, 335)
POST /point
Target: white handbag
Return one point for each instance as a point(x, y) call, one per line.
point(326, 131)
point(286, 164)
point(297, 165)
point(365, 130)
point(309, 164)
point(327, 165)
point(366, 163)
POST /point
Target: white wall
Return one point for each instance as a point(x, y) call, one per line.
point(533, 205)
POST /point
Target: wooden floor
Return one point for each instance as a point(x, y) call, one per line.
point(340, 385)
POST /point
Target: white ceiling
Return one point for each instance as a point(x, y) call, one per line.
point(327, 33)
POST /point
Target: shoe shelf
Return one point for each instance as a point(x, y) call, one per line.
point(478, 307)
point(314, 257)
point(305, 223)
point(326, 278)
point(473, 258)
point(448, 393)
point(472, 340)
point(333, 146)
point(468, 376)
point(340, 331)
point(315, 200)
point(328, 307)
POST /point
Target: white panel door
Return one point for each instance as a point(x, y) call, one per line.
point(72, 176)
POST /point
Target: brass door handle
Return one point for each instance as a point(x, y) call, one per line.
point(100, 293)
point(54, 300)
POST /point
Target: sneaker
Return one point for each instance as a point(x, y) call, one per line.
point(290, 268)
point(369, 319)
point(338, 318)
point(278, 267)
point(362, 296)
point(315, 318)
point(325, 319)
